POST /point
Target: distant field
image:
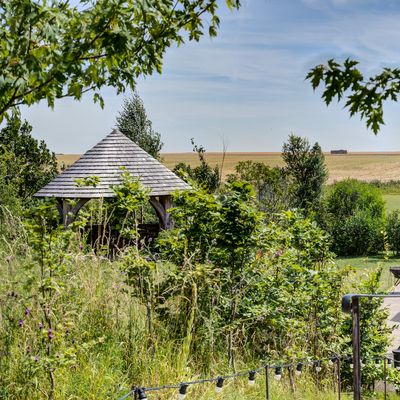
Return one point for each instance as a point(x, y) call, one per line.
point(364, 166)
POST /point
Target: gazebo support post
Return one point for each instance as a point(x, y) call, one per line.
point(69, 208)
point(161, 206)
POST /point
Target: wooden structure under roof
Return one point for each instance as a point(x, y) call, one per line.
point(104, 161)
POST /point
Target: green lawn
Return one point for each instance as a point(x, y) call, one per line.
point(363, 265)
point(392, 202)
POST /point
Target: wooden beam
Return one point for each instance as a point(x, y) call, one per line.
point(69, 208)
point(161, 206)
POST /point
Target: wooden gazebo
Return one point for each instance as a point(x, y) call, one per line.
point(104, 161)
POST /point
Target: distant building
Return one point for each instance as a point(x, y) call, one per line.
point(339, 151)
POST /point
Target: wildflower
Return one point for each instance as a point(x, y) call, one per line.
point(21, 322)
point(37, 359)
point(9, 258)
point(27, 311)
point(40, 325)
point(278, 253)
point(50, 334)
point(58, 355)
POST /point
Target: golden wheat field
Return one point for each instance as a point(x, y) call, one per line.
point(364, 166)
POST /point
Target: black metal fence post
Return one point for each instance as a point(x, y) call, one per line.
point(355, 311)
point(384, 379)
point(339, 380)
point(267, 383)
point(350, 304)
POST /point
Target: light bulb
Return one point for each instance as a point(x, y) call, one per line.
point(278, 373)
point(182, 391)
point(299, 367)
point(318, 367)
point(218, 386)
point(252, 378)
point(141, 394)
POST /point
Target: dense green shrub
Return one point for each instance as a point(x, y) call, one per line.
point(31, 164)
point(288, 289)
point(270, 184)
point(355, 218)
point(393, 231)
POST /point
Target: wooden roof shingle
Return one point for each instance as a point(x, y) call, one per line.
point(105, 160)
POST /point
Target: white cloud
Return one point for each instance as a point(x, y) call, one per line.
point(248, 83)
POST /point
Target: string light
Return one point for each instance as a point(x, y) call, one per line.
point(220, 383)
point(377, 362)
point(332, 361)
point(141, 394)
point(299, 368)
point(182, 391)
point(318, 367)
point(389, 363)
point(362, 364)
point(278, 373)
point(252, 378)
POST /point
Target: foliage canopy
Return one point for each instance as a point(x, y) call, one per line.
point(52, 49)
point(364, 96)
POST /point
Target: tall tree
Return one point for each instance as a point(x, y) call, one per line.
point(51, 49)
point(30, 164)
point(133, 122)
point(305, 167)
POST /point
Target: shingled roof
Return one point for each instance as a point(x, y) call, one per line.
point(105, 161)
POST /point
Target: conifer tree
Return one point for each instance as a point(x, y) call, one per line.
point(134, 123)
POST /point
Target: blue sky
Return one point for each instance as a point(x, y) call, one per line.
point(246, 87)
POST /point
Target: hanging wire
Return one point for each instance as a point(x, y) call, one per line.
point(140, 393)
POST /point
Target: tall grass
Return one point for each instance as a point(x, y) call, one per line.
point(113, 353)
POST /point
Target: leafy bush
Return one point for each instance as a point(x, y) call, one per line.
point(270, 184)
point(393, 231)
point(287, 292)
point(31, 165)
point(355, 218)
